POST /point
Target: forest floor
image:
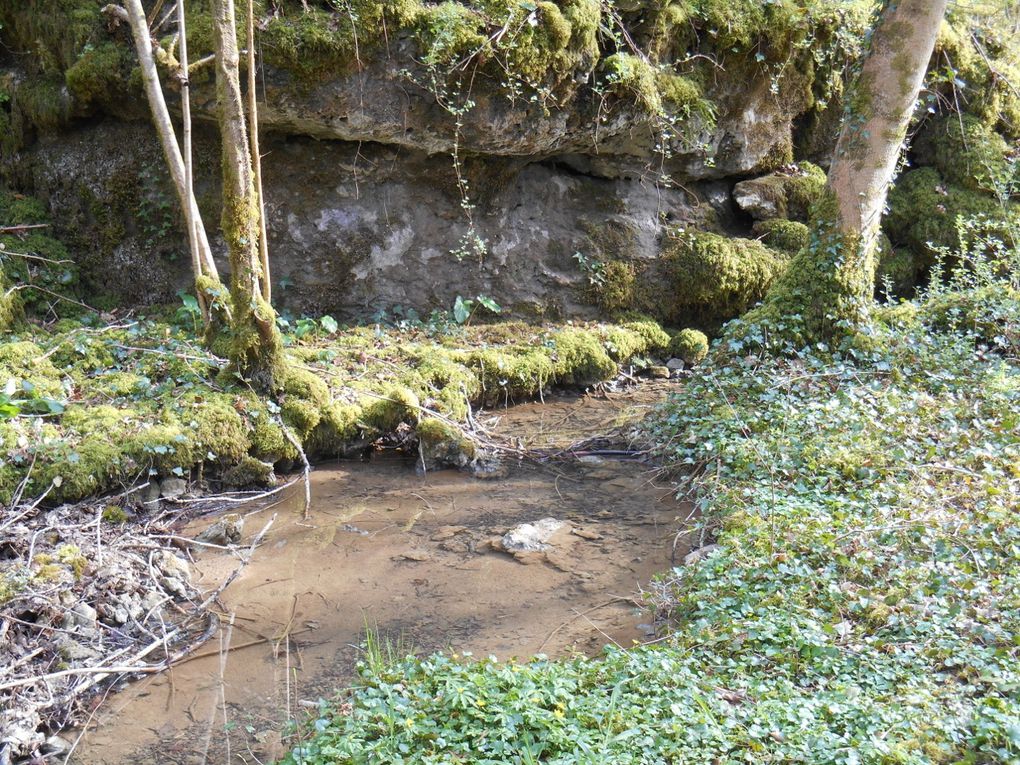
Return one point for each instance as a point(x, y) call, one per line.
point(859, 603)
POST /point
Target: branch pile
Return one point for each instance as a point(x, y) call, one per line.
point(87, 596)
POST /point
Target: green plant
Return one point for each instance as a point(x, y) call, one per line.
point(464, 309)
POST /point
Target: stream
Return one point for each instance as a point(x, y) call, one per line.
point(411, 557)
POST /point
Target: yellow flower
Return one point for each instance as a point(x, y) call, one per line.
point(480, 702)
point(558, 713)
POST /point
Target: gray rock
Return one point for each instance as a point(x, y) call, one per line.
point(759, 199)
point(151, 492)
point(675, 365)
point(173, 488)
point(530, 537)
point(225, 531)
point(80, 616)
point(55, 746)
point(72, 650)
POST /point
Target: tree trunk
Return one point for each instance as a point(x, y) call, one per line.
point(189, 179)
point(830, 285)
point(255, 346)
point(256, 158)
point(134, 14)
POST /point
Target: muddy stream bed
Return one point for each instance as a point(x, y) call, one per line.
point(411, 557)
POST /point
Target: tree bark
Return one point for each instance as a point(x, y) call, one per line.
point(189, 180)
point(255, 346)
point(830, 285)
point(869, 143)
point(134, 14)
point(256, 158)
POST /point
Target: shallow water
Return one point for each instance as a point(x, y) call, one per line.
point(409, 556)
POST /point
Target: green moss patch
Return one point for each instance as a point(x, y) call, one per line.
point(714, 277)
point(966, 152)
point(924, 208)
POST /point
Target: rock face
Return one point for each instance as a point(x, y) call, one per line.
point(576, 155)
point(356, 229)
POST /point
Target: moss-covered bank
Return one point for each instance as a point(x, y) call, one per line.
point(104, 404)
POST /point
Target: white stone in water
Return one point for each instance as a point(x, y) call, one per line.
point(531, 537)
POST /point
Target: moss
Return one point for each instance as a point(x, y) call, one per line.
point(114, 514)
point(386, 410)
point(825, 292)
point(72, 557)
point(713, 278)
point(613, 291)
point(268, 442)
point(12, 583)
point(966, 152)
point(581, 358)
point(304, 399)
point(215, 425)
point(981, 79)
point(98, 78)
point(43, 103)
point(780, 234)
point(628, 76)
point(24, 360)
point(690, 345)
point(654, 339)
point(923, 209)
point(339, 426)
point(18, 209)
point(449, 32)
point(899, 268)
point(509, 372)
point(42, 266)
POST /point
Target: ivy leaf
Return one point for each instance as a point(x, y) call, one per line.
point(329, 324)
point(462, 309)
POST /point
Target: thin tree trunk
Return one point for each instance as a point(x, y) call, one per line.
point(135, 16)
point(189, 182)
point(829, 286)
point(256, 346)
point(256, 158)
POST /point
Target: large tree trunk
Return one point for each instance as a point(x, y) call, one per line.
point(255, 345)
point(829, 286)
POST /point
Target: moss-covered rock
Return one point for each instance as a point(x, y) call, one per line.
point(966, 152)
point(690, 345)
point(394, 404)
point(580, 358)
point(923, 212)
point(613, 289)
point(781, 234)
point(976, 64)
point(787, 193)
point(24, 361)
point(714, 278)
point(441, 444)
point(249, 471)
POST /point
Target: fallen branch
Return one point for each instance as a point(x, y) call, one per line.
point(22, 227)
